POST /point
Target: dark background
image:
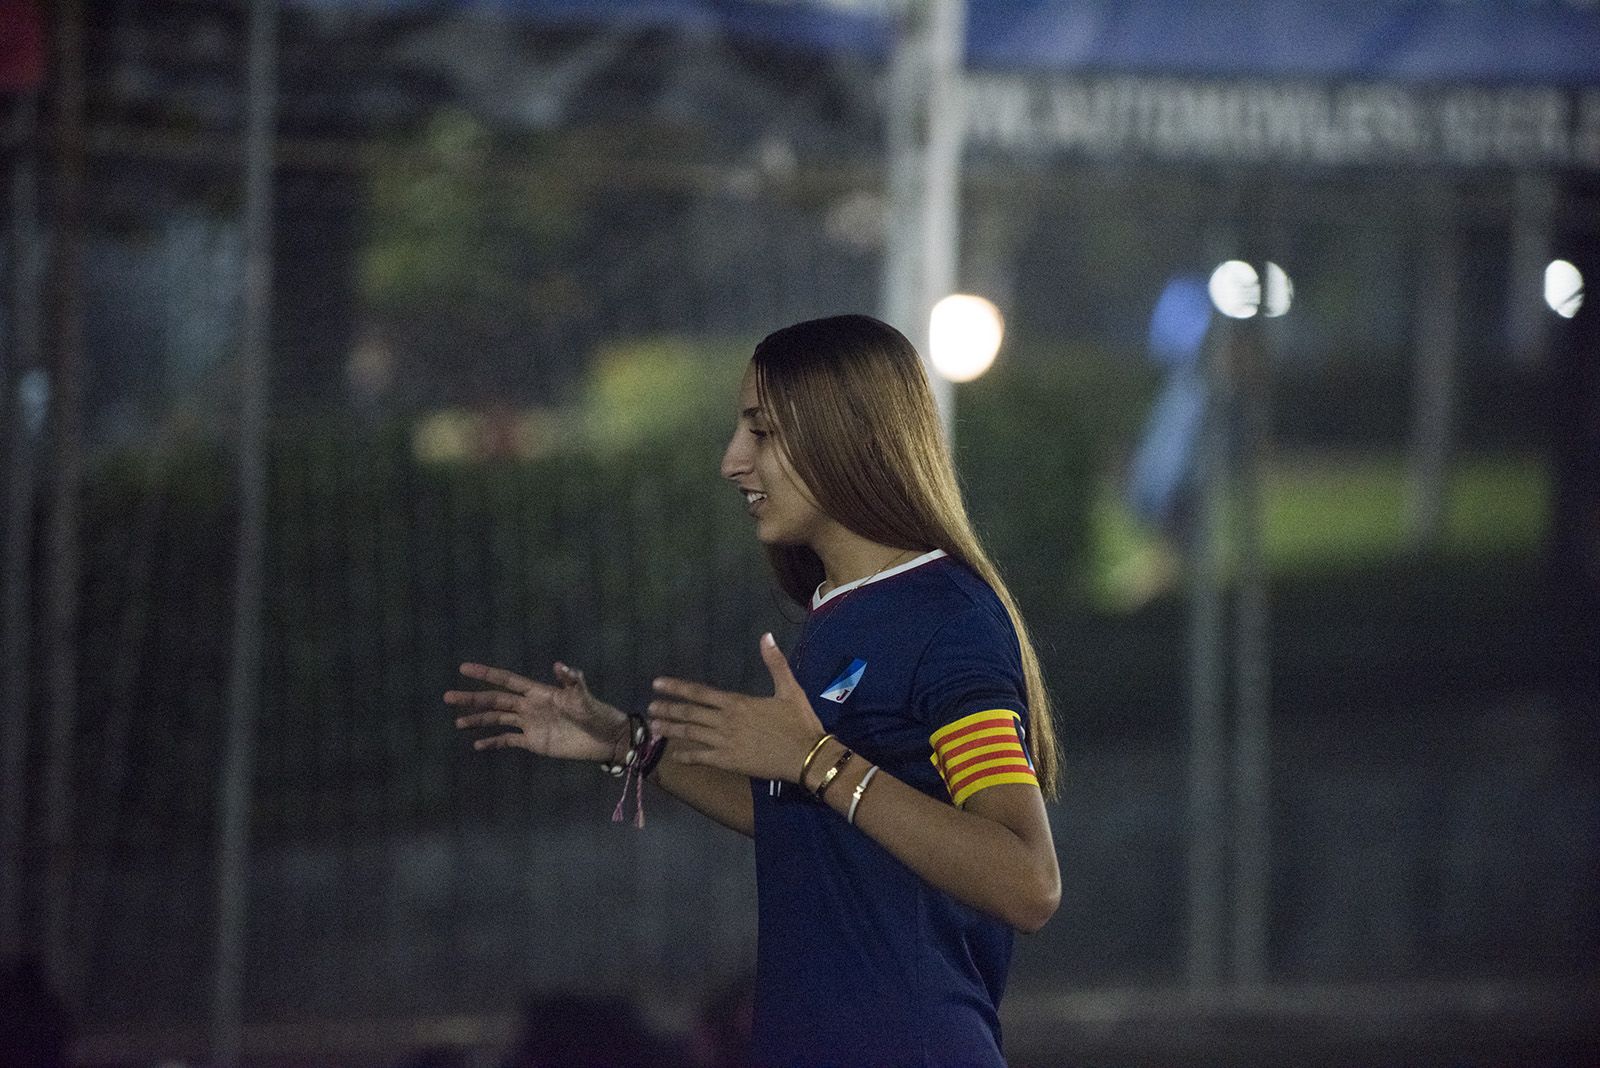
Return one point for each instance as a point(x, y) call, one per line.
point(518, 266)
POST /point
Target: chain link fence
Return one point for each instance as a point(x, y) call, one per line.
point(517, 273)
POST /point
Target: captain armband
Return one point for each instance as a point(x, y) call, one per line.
point(982, 750)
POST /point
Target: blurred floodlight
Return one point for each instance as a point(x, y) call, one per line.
point(1235, 289)
point(964, 336)
point(1563, 288)
point(1280, 292)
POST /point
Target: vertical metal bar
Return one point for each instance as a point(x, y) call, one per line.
point(941, 204)
point(61, 538)
point(901, 280)
point(925, 136)
point(1527, 319)
point(1206, 799)
point(1574, 420)
point(1438, 287)
point(1252, 810)
point(16, 565)
point(244, 679)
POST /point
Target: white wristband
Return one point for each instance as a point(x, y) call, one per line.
point(855, 798)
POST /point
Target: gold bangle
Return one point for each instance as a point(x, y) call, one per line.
point(812, 756)
point(833, 773)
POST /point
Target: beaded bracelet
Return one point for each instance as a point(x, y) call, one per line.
point(637, 736)
point(855, 798)
point(642, 757)
point(833, 773)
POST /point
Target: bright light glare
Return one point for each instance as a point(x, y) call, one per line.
point(1280, 292)
point(1235, 289)
point(1563, 288)
point(964, 336)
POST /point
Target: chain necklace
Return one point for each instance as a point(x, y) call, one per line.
point(839, 593)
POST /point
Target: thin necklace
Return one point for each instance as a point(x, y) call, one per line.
point(858, 583)
point(848, 588)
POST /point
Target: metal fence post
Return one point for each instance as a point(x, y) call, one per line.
point(238, 770)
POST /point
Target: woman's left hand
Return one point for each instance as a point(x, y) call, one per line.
point(761, 737)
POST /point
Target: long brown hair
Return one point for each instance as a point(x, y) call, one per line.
point(852, 409)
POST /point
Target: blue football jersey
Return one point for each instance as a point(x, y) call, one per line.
point(859, 960)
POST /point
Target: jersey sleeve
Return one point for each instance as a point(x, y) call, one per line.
point(969, 694)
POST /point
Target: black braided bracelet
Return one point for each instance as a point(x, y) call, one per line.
point(637, 736)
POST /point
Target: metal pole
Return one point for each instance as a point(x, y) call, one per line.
point(926, 132)
point(941, 204)
point(61, 536)
point(1438, 285)
point(903, 181)
point(1528, 320)
point(1207, 813)
point(244, 679)
point(17, 567)
point(1252, 805)
point(1573, 544)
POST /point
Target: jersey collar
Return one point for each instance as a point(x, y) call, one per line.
point(818, 599)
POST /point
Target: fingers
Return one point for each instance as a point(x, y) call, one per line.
point(696, 692)
point(482, 699)
point(567, 675)
point(680, 712)
point(509, 740)
point(783, 680)
point(506, 680)
point(695, 733)
point(488, 719)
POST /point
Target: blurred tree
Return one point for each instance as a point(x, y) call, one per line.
point(462, 261)
point(665, 389)
point(449, 222)
point(1026, 455)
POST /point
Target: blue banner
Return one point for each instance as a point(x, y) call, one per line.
point(1414, 42)
point(1483, 42)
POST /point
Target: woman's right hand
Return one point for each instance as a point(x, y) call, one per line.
point(564, 720)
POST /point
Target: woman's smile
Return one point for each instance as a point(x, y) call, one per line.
point(755, 462)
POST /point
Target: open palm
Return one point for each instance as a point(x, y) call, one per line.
point(564, 720)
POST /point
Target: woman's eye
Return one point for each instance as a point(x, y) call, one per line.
point(758, 434)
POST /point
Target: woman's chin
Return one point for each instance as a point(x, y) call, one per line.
point(775, 539)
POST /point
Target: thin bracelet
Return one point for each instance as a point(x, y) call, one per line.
point(855, 798)
point(637, 735)
point(812, 756)
point(833, 773)
point(652, 756)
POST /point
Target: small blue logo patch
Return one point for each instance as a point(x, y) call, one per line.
point(840, 689)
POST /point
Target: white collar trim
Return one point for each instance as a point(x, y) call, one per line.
point(818, 598)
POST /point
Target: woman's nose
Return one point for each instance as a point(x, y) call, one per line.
point(735, 460)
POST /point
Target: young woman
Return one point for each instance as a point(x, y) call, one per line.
point(894, 780)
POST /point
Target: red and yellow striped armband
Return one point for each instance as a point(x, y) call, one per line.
point(981, 750)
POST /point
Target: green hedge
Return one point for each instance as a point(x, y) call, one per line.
point(618, 547)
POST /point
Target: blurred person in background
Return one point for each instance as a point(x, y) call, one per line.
point(894, 781)
point(1162, 488)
